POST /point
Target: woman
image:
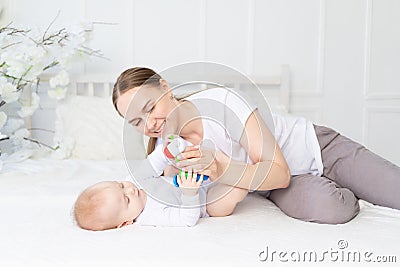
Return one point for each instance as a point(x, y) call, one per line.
point(327, 172)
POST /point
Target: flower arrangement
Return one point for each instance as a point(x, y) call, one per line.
point(25, 56)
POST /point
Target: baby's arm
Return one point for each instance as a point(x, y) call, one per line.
point(158, 160)
point(188, 213)
point(170, 171)
point(150, 167)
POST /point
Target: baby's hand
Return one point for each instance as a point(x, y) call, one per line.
point(188, 185)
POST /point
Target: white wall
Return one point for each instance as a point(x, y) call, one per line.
point(343, 54)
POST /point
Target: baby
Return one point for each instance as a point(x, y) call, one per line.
point(110, 204)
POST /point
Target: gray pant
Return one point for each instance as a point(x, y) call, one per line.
point(350, 172)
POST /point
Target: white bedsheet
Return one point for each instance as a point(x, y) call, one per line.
point(36, 197)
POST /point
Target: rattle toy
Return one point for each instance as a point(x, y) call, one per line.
point(172, 150)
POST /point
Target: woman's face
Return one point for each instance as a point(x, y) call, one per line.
point(147, 108)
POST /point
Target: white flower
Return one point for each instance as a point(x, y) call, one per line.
point(3, 119)
point(34, 71)
point(9, 92)
point(79, 33)
point(12, 125)
point(57, 93)
point(67, 57)
point(15, 68)
point(61, 79)
point(65, 147)
point(28, 110)
point(24, 61)
point(4, 39)
point(18, 138)
point(21, 133)
point(34, 54)
point(25, 55)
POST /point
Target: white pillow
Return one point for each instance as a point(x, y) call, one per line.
point(90, 128)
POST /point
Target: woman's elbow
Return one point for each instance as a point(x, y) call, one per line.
point(273, 181)
point(285, 180)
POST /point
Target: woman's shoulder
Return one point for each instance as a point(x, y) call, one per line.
point(224, 95)
point(210, 93)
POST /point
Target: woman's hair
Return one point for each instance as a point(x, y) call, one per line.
point(132, 78)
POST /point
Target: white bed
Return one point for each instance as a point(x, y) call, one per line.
point(36, 197)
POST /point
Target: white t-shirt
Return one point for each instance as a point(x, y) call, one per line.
point(224, 114)
point(299, 144)
point(167, 206)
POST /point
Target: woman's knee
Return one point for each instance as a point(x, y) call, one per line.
point(316, 199)
point(338, 210)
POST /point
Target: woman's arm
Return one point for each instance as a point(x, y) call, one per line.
point(270, 170)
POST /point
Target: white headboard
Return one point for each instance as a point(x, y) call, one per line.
point(99, 85)
point(275, 88)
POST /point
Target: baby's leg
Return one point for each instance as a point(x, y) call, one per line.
point(222, 199)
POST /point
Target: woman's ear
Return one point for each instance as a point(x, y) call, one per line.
point(164, 85)
point(125, 224)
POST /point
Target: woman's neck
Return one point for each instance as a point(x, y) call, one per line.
point(190, 123)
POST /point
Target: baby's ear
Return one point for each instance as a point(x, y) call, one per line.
point(125, 224)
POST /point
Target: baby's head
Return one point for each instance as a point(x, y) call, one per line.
point(108, 205)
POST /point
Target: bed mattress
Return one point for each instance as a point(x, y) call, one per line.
point(36, 198)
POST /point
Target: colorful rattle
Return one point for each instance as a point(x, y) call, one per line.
point(172, 150)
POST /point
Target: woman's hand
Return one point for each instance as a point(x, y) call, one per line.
point(200, 159)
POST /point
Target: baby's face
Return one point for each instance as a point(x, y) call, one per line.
point(123, 201)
